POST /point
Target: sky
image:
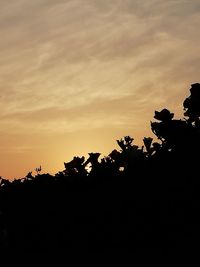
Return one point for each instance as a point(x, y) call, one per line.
point(76, 75)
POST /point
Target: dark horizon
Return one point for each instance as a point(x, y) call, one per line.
point(135, 197)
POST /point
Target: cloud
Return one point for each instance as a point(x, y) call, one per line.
point(70, 65)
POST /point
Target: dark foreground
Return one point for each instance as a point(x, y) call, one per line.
point(145, 197)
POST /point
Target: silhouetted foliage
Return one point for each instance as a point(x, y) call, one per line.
point(146, 196)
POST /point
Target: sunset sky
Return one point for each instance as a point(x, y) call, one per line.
point(75, 75)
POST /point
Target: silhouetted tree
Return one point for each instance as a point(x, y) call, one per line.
point(146, 196)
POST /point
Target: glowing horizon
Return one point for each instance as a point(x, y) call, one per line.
point(78, 74)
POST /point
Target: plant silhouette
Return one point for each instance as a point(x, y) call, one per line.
point(144, 197)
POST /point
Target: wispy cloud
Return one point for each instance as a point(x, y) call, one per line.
point(70, 65)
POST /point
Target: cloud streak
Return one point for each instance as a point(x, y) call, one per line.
point(66, 66)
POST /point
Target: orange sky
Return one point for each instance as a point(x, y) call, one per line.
point(75, 75)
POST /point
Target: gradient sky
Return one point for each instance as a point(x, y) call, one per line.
point(75, 75)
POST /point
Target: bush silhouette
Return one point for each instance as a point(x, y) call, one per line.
point(146, 196)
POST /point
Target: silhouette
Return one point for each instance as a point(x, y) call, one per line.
point(144, 197)
point(192, 104)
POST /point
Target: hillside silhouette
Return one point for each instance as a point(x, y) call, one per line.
point(144, 197)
